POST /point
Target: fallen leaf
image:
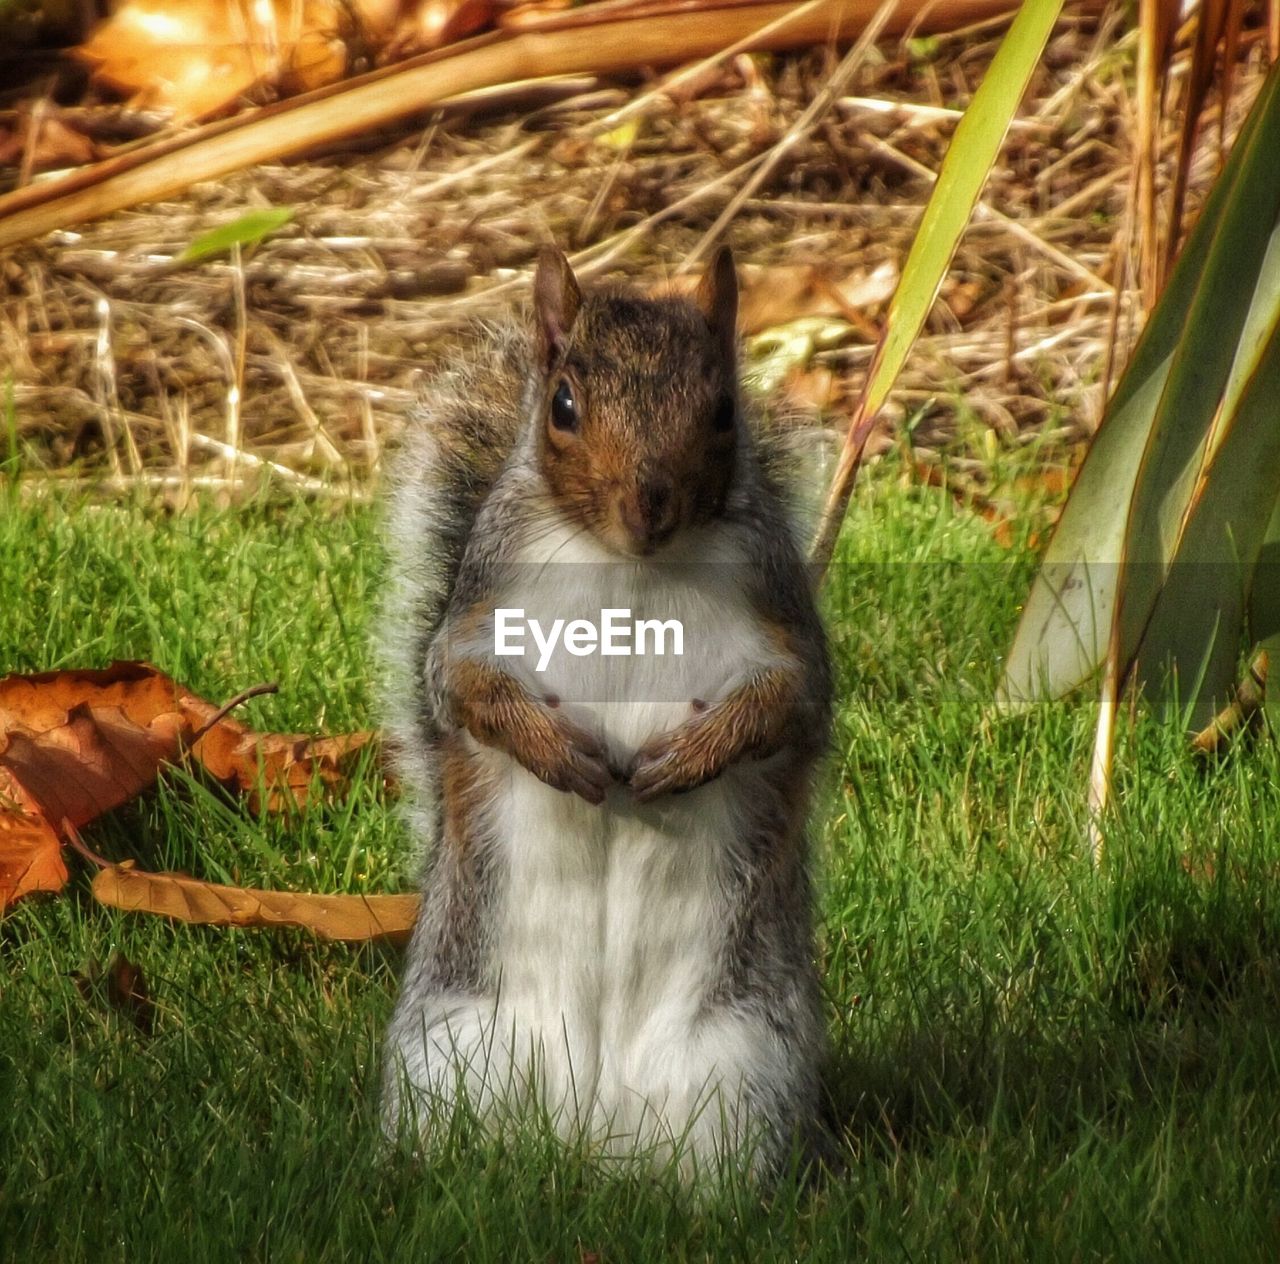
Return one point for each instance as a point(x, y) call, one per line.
point(811, 388)
point(194, 57)
point(128, 993)
point(780, 295)
point(82, 742)
point(434, 23)
point(779, 353)
point(43, 142)
point(30, 856)
point(286, 765)
point(93, 761)
point(965, 298)
point(76, 744)
point(121, 988)
point(1006, 518)
point(1049, 484)
point(41, 700)
point(63, 758)
point(339, 917)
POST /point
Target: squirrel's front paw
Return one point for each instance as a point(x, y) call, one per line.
point(683, 759)
point(568, 757)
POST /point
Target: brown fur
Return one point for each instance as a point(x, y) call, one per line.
point(755, 720)
point(647, 457)
point(498, 711)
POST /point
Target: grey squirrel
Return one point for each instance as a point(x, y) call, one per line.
point(616, 924)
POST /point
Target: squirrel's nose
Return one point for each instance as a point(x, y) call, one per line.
point(650, 512)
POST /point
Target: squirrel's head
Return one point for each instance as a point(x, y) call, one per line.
point(638, 416)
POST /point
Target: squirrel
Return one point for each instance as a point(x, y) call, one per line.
point(616, 925)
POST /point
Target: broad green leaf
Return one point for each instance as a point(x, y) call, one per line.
point(1264, 611)
point(1264, 594)
point(1194, 636)
point(1194, 631)
point(964, 171)
point(1198, 378)
point(247, 230)
point(1063, 633)
point(1062, 636)
point(1258, 326)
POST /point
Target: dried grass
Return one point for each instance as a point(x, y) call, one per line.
point(299, 360)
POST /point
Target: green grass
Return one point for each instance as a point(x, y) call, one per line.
point(1031, 1061)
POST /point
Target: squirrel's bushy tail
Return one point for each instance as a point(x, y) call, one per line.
point(458, 437)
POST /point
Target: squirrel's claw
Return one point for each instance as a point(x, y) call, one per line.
point(589, 779)
point(652, 778)
point(665, 766)
point(582, 768)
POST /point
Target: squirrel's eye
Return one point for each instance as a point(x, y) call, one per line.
point(564, 409)
point(726, 412)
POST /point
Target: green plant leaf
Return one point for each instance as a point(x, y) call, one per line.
point(11, 466)
point(248, 230)
point(970, 155)
point(1063, 634)
point(964, 171)
point(1194, 636)
point(1209, 354)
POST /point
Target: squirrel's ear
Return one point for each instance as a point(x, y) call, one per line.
point(556, 298)
point(717, 295)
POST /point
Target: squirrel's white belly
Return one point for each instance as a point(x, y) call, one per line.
point(613, 918)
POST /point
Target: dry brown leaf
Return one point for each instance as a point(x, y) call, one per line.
point(40, 141)
point(774, 296)
point(128, 993)
point(1001, 512)
point(30, 856)
point(811, 388)
point(121, 988)
point(965, 298)
point(79, 743)
point(72, 745)
point(76, 744)
point(286, 764)
point(1049, 484)
point(93, 761)
point(434, 23)
point(194, 57)
point(341, 917)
